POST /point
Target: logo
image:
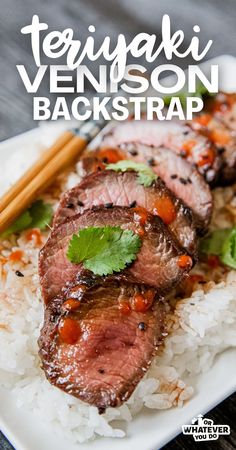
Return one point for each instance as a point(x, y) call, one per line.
point(203, 429)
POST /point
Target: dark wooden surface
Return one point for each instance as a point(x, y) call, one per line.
point(217, 19)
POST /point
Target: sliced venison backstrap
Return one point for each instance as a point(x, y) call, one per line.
point(111, 188)
point(178, 137)
point(100, 351)
point(218, 123)
point(160, 262)
point(177, 173)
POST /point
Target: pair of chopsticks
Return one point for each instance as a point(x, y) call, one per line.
point(53, 161)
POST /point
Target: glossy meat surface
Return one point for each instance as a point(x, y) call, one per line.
point(110, 352)
point(122, 189)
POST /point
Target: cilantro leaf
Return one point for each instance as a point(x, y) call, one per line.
point(228, 254)
point(20, 224)
point(39, 215)
point(104, 250)
point(223, 244)
point(212, 244)
point(201, 91)
point(146, 176)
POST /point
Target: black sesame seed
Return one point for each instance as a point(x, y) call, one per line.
point(99, 169)
point(70, 205)
point(53, 318)
point(133, 204)
point(101, 370)
point(221, 150)
point(79, 203)
point(19, 274)
point(105, 160)
point(182, 180)
point(151, 162)
point(142, 326)
point(189, 180)
point(182, 153)
point(174, 176)
point(108, 205)
point(133, 152)
point(185, 133)
point(187, 212)
point(202, 282)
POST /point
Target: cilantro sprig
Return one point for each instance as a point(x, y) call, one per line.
point(39, 215)
point(146, 176)
point(222, 243)
point(104, 250)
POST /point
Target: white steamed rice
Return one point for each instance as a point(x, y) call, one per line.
point(201, 327)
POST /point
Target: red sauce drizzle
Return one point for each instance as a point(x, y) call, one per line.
point(142, 302)
point(15, 256)
point(203, 119)
point(207, 157)
point(185, 261)
point(188, 146)
point(165, 209)
point(71, 304)
point(69, 330)
point(110, 155)
point(223, 103)
point(97, 165)
point(34, 235)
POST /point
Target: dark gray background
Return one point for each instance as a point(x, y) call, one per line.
point(217, 19)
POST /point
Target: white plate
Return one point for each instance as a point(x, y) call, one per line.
point(150, 430)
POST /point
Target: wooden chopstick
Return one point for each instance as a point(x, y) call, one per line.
point(35, 169)
point(42, 179)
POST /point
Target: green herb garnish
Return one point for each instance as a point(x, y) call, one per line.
point(201, 92)
point(146, 176)
point(223, 244)
point(228, 255)
point(104, 250)
point(39, 215)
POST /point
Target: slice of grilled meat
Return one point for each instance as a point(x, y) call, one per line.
point(99, 347)
point(109, 188)
point(177, 136)
point(177, 173)
point(218, 123)
point(160, 263)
